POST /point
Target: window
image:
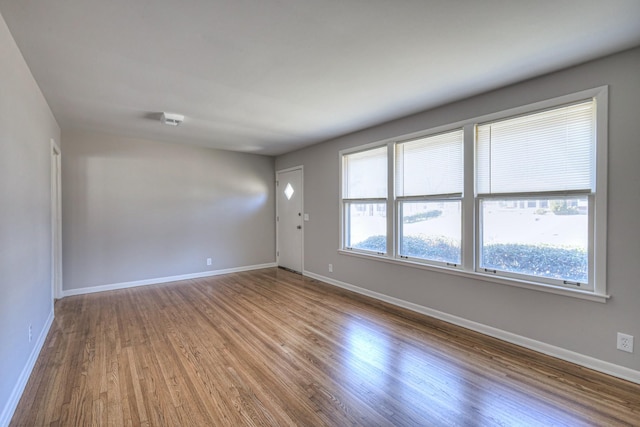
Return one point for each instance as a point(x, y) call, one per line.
point(547, 158)
point(429, 181)
point(365, 200)
point(517, 197)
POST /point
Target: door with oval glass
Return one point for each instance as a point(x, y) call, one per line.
point(289, 219)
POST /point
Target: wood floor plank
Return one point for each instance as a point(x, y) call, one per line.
point(270, 347)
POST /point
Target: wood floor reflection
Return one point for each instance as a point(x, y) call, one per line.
point(270, 347)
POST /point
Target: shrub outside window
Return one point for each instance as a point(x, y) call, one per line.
point(431, 230)
point(550, 243)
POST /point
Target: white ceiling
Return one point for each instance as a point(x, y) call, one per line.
point(270, 76)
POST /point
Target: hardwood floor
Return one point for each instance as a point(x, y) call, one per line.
point(270, 347)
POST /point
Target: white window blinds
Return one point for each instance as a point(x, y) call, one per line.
point(430, 166)
point(365, 174)
point(547, 151)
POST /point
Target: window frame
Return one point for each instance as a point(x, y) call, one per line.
point(425, 198)
point(527, 277)
point(346, 201)
point(470, 203)
point(347, 222)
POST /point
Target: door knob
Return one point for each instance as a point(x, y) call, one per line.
point(299, 227)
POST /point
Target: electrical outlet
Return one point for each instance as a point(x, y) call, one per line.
point(330, 268)
point(625, 342)
point(30, 333)
point(208, 261)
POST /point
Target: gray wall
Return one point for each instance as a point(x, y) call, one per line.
point(581, 326)
point(26, 127)
point(136, 209)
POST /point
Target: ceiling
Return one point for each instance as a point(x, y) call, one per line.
point(271, 76)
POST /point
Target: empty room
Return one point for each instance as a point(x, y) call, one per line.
point(319, 213)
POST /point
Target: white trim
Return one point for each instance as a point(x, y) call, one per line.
point(598, 210)
point(291, 169)
point(18, 389)
point(597, 289)
point(534, 286)
point(391, 202)
point(568, 284)
point(341, 217)
point(56, 221)
point(468, 203)
point(596, 92)
point(159, 280)
point(406, 137)
point(541, 347)
point(601, 201)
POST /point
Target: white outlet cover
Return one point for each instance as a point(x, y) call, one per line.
point(625, 342)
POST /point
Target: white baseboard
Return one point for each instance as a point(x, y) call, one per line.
point(550, 350)
point(18, 389)
point(124, 285)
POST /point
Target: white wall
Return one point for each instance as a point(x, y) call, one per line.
point(585, 327)
point(135, 210)
point(26, 127)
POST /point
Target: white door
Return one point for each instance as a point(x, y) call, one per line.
point(289, 219)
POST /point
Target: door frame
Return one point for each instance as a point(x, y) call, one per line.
point(278, 172)
point(56, 221)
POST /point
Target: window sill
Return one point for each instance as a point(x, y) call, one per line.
point(541, 287)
